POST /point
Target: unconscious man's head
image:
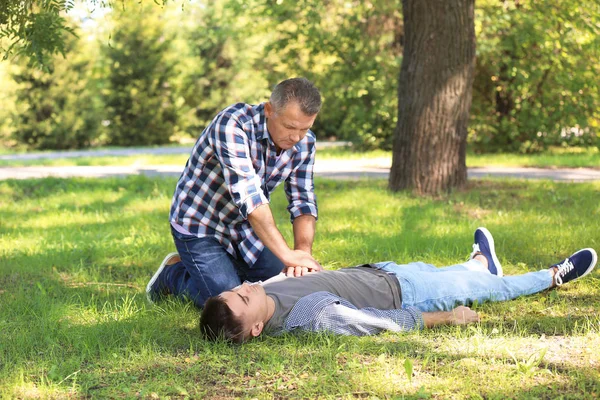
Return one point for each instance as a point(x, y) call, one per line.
point(236, 315)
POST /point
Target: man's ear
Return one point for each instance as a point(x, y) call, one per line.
point(257, 328)
point(268, 109)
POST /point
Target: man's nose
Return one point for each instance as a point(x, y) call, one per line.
point(245, 287)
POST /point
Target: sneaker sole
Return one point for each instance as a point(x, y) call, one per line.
point(490, 240)
point(156, 274)
point(592, 264)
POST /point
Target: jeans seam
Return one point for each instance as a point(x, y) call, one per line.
point(198, 269)
point(537, 289)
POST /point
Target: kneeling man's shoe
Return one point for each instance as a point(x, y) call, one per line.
point(484, 244)
point(578, 265)
point(154, 289)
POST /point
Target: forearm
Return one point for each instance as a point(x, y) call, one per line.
point(297, 262)
point(432, 319)
point(461, 315)
point(263, 224)
point(304, 232)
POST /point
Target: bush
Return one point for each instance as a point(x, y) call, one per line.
point(536, 86)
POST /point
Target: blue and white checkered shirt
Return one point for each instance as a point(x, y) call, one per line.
point(233, 169)
point(326, 312)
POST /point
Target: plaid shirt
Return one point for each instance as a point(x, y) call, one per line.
point(326, 312)
point(232, 170)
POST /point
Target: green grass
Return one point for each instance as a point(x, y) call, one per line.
point(75, 256)
point(576, 157)
point(554, 157)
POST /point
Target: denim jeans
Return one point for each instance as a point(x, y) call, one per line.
point(207, 269)
point(441, 289)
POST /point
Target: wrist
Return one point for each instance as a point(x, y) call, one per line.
point(287, 258)
point(305, 248)
point(431, 319)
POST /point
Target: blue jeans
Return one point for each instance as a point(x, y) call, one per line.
point(441, 289)
point(207, 269)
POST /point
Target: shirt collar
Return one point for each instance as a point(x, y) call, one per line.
point(262, 132)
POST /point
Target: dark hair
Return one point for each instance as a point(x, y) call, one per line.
point(218, 322)
point(300, 90)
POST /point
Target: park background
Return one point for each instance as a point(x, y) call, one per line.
point(146, 74)
point(75, 254)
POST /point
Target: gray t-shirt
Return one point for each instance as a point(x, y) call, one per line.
point(363, 286)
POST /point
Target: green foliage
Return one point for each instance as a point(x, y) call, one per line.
point(8, 101)
point(138, 95)
point(167, 73)
point(57, 109)
point(34, 29)
point(207, 81)
point(536, 82)
point(351, 50)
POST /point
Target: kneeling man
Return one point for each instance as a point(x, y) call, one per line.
point(370, 298)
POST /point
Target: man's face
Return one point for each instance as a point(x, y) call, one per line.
point(289, 125)
point(249, 304)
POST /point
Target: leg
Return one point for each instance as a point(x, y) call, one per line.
point(392, 267)
point(267, 266)
point(446, 289)
point(206, 269)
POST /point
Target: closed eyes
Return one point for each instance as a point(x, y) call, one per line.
point(244, 298)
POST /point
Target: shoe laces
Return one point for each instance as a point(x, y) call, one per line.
point(476, 250)
point(561, 270)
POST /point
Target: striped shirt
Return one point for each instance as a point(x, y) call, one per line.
point(326, 312)
point(233, 169)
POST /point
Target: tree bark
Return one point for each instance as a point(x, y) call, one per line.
point(434, 96)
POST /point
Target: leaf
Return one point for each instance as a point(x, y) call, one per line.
point(408, 368)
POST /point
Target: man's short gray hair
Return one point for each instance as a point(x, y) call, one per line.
point(300, 90)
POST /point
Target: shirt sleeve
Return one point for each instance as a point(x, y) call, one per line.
point(232, 149)
point(325, 312)
point(299, 187)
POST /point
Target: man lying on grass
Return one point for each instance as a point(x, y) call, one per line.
point(368, 299)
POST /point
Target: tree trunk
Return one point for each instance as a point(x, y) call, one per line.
point(434, 96)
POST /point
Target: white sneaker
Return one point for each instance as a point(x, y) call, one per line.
point(153, 292)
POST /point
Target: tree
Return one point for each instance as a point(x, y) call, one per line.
point(139, 95)
point(217, 65)
point(57, 108)
point(34, 29)
point(434, 96)
point(350, 49)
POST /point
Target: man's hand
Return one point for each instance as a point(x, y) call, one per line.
point(297, 262)
point(462, 315)
point(300, 263)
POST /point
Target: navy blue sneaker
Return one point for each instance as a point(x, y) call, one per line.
point(484, 244)
point(577, 266)
point(153, 290)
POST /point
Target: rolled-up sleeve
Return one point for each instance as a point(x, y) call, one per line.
point(232, 148)
point(299, 188)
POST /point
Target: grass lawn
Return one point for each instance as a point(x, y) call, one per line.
point(76, 254)
point(554, 157)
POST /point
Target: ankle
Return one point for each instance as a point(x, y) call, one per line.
point(481, 258)
point(552, 271)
